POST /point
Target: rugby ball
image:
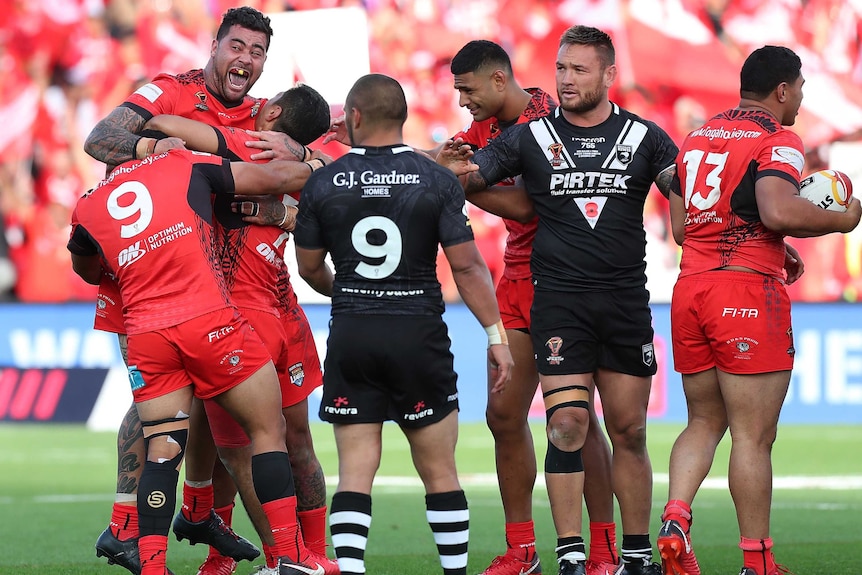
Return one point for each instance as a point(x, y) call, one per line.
point(829, 189)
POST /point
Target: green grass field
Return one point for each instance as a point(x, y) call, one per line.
point(57, 483)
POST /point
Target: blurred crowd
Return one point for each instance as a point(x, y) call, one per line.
point(64, 64)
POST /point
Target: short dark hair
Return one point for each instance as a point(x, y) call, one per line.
point(589, 36)
point(246, 17)
point(380, 99)
point(766, 68)
point(479, 54)
point(304, 114)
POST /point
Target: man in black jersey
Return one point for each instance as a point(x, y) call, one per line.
point(588, 169)
point(381, 211)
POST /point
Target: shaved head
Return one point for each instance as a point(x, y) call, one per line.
point(379, 98)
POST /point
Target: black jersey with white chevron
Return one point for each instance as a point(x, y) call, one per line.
point(589, 186)
point(381, 213)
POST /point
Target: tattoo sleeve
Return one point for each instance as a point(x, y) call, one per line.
point(474, 183)
point(295, 148)
point(113, 139)
point(664, 179)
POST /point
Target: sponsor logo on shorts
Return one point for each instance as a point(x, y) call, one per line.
point(341, 407)
point(451, 398)
point(744, 347)
point(217, 334)
point(297, 374)
point(554, 344)
point(740, 312)
point(648, 354)
point(420, 412)
point(790, 350)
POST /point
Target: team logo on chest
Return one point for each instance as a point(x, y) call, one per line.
point(556, 150)
point(624, 154)
point(202, 104)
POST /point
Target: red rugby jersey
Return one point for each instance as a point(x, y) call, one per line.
point(151, 221)
point(519, 243)
point(186, 95)
point(717, 167)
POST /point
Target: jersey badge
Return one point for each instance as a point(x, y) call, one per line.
point(624, 154)
point(556, 150)
point(551, 144)
point(255, 109)
point(591, 208)
point(202, 104)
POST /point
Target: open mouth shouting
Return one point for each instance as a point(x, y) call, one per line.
point(238, 78)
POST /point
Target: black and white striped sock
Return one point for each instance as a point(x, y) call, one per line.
point(349, 521)
point(449, 519)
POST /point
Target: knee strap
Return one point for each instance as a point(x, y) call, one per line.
point(571, 398)
point(176, 429)
point(558, 461)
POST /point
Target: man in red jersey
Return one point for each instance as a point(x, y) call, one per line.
point(186, 343)
point(487, 88)
point(736, 196)
point(260, 287)
point(218, 94)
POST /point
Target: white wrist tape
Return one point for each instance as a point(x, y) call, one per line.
point(497, 334)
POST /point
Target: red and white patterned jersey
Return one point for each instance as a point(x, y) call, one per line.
point(151, 222)
point(519, 243)
point(717, 168)
point(186, 95)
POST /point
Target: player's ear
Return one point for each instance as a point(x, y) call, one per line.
point(610, 75)
point(499, 78)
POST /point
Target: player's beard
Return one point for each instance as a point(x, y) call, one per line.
point(588, 101)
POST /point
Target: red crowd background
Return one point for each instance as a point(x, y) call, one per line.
point(64, 64)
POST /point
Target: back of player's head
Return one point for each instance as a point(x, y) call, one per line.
point(246, 17)
point(589, 36)
point(766, 68)
point(480, 55)
point(304, 114)
point(379, 98)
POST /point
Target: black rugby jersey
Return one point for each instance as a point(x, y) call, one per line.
point(381, 213)
point(589, 186)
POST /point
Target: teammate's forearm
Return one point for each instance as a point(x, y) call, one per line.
point(476, 289)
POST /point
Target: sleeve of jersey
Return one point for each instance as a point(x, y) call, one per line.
point(473, 135)
point(666, 150)
point(782, 155)
point(216, 171)
point(307, 233)
point(156, 97)
point(454, 227)
point(501, 158)
point(81, 243)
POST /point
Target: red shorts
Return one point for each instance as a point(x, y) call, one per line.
point(738, 322)
point(296, 362)
point(303, 363)
point(225, 430)
point(515, 297)
point(213, 352)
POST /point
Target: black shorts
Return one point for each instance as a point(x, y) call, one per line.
point(580, 332)
point(382, 368)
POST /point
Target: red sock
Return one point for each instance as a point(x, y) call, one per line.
point(521, 538)
point(679, 511)
point(312, 522)
point(757, 555)
point(603, 542)
point(226, 514)
point(270, 555)
point(197, 502)
point(124, 521)
point(153, 550)
point(285, 530)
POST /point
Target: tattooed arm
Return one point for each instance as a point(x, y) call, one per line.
point(664, 179)
point(115, 139)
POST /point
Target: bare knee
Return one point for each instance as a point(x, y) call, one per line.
point(567, 428)
point(631, 437)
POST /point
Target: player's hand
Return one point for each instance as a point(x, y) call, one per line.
point(264, 211)
point(172, 143)
point(275, 146)
point(455, 155)
point(318, 155)
point(853, 213)
point(501, 364)
point(793, 264)
point(337, 131)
